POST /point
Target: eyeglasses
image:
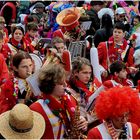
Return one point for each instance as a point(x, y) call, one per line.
point(122, 16)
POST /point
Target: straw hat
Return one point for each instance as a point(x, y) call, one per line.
point(21, 123)
point(68, 16)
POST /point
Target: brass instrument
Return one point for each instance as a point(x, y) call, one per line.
point(77, 48)
point(74, 132)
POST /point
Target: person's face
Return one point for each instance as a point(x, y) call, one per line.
point(84, 74)
point(40, 10)
point(120, 17)
point(120, 121)
point(32, 33)
point(118, 35)
point(60, 47)
point(122, 74)
point(136, 21)
point(25, 68)
point(1, 43)
point(18, 35)
point(59, 89)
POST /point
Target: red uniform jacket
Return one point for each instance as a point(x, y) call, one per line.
point(113, 53)
point(56, 108)
point(100, 132)
point(5, 50)
point(23, 45)
point(4, 74)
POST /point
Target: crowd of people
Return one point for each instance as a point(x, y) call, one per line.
point(70, 69)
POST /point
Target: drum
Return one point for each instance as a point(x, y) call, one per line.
point(37, 61)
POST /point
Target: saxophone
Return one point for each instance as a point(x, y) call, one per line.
point(74, 132)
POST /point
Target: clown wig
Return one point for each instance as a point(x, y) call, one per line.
point(116, 101)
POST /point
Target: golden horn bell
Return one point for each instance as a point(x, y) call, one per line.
point(68, 17)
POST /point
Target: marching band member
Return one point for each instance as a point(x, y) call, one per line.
point(117, 110)
point(115, 49)
point(32, 33)
point(83, 83)
point(16, 89)
point(17, 42)
point(56, 108)
point(119, 73)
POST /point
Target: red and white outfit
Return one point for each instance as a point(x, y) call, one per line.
point(102, 132)
point(108, 53)
point(24, 45)
point(57, 115)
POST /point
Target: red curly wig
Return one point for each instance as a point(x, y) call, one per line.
point(116, 101)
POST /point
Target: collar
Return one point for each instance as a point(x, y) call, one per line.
point(14, 42)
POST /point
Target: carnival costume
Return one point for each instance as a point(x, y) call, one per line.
point(108, 53)
point(57, 115)
point(112, 104)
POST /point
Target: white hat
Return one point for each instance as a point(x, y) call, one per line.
point(21, 123)
point(120, 10)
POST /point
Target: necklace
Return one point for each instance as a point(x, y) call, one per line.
point(114, 133)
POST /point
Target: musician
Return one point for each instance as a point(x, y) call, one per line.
point(32, 33)
point(115, 49)
point(16, 89)
point(59, 44)
point(69, 25)
point(18, 42)
point(117, 110)
point(56, 106)
point(119, 73)
point(83, 83)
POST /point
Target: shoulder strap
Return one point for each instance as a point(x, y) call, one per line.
point(107, 48)
point(126, 53)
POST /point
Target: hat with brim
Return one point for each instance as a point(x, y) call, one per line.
point(120, 11)
point(9, 132)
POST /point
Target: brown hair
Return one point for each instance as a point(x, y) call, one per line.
point(57, 40)
point(49, 76)
point(18, 57)
point(32, 26)
point(78, 62)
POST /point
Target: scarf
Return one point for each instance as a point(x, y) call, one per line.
point(63, 110)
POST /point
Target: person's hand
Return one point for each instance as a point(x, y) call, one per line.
point(82, 124)
point(133, 70)
point(105, 73)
